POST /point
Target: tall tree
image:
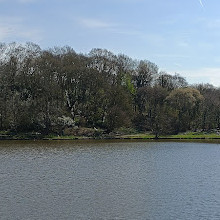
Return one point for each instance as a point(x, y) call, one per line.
point(186, 101)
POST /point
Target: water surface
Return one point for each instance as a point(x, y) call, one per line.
point(109, 180)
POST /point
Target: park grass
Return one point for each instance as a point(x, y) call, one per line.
point(131, 136)
point(194, 135)
point(186, 135)
point(137, 136)
point(64, 137)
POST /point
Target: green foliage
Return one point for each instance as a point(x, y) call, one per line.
point(57, 90)
point(127, 82)
point(186, 101)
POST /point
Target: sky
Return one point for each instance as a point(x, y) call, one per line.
point(180, 36)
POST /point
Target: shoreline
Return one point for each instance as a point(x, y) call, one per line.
point(122, 137)
point(116, 135)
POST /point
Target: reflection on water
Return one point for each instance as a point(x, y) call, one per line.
point(109, 180)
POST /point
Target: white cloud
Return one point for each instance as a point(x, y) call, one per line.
point(213, 23)
point(121, 29)
point(13, 29)
point(178, 65)
point(95, 23)
point(170, 56)
point(202, 75)
point(201, 3)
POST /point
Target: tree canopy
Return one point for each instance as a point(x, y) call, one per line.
point(50, 90)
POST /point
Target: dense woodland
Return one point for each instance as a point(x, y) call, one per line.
point(47, 91)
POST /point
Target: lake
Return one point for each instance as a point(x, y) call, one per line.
point(109, 180)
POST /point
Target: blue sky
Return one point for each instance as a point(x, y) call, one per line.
point(181, 36)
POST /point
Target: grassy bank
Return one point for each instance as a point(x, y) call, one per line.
point(132, 136)
point(187, 135)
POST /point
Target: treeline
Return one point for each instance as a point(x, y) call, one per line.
point(50, 90)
